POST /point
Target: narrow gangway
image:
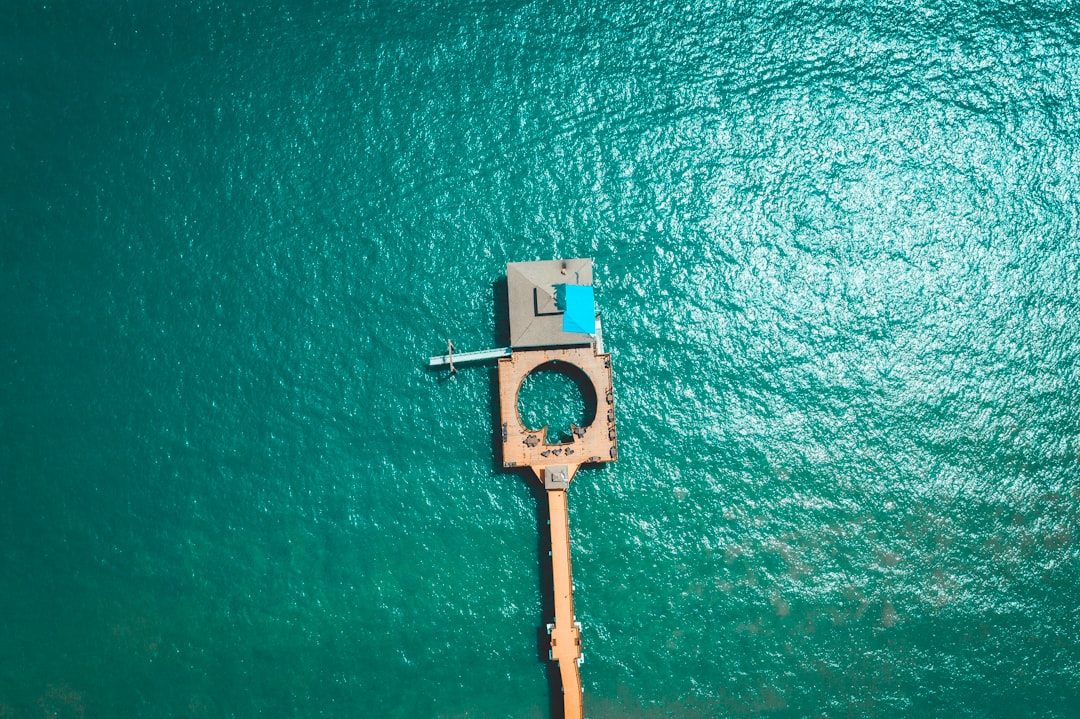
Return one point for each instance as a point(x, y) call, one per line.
point(565, 633)
point(456, 358)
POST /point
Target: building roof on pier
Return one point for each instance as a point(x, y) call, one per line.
point(544, 313)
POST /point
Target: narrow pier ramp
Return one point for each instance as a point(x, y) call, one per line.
point(565, 632)
point(455, 358)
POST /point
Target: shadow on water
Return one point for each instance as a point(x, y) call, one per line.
point(543, 548)
point(547, 594)
point(501, 313)
point(501, 297)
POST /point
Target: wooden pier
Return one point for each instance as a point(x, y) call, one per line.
point(553, 325)
point(534, 320)
point(555, 465)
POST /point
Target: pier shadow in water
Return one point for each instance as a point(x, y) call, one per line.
point(501, 296)
point(543, 548)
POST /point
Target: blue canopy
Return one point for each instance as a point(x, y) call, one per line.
point(579, 312)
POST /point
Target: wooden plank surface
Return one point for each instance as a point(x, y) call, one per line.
point(565, 635)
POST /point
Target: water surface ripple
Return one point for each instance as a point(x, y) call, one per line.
point(836, 248)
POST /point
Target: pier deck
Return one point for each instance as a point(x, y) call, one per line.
point(555, 465)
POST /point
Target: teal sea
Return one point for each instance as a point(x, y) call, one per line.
point(837, 253)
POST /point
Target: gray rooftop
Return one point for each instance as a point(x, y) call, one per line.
point(535, 321)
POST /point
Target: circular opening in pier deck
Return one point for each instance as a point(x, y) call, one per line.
point(556, 395)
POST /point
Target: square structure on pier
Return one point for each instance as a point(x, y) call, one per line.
point(538, 308)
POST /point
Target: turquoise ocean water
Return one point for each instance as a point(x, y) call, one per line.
point(837, 250)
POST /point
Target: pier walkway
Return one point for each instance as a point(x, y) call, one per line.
point(554, 326)
point(555, 465)
point(566, 632)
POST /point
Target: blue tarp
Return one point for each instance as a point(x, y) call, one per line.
point(579, 312)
